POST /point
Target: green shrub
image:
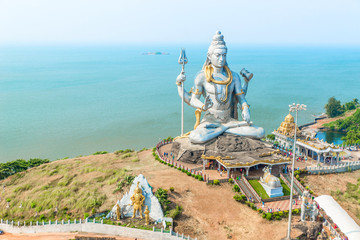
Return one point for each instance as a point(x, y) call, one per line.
point(100, 152)
point(236, 188)
point(264, 215)
point(295, 211)
point(200, 178)
point(33, 205)
point(278, 218)
point(216, 182)
point(172, 189)
point(86, 215)
point(174, 213)
point(240, 198)
point(231, 180)
point(268, 216)
point(188, 173)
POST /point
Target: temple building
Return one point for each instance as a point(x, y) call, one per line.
point(307, 145)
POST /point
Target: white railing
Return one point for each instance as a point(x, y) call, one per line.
point(87, 226)
point(342, 167)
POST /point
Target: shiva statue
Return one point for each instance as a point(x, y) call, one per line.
point(222, 91)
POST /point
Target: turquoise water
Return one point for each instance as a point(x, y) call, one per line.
point(65, 101)
point(331, 136)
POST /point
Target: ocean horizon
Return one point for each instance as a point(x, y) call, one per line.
point(66, 101)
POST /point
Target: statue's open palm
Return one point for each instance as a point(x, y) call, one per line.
point(207, 104)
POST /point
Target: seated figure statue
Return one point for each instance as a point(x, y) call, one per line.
point(222, 90)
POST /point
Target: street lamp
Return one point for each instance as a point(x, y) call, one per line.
point(293, 108)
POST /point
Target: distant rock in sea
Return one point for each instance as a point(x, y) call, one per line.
point(155, 53)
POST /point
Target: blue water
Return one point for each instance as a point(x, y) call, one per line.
point(65, 101)
point(331, 137)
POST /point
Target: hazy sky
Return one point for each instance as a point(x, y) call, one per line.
point(329, 22)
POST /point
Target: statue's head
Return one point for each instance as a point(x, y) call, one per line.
point(217, 51)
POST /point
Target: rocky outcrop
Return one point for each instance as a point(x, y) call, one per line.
point(224, 145)
point(309, 231)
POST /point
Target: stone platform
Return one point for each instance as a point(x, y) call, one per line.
point(234, 150)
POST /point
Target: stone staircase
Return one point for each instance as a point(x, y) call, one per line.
point(288, 182)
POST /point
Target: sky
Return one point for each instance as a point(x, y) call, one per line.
point(300, 22)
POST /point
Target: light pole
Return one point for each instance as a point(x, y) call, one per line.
point(293, 108)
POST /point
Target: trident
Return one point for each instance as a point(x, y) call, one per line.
point(182, 60)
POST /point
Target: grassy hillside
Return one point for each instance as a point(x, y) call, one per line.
point(68, 188)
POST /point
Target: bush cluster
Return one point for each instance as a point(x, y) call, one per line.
point(269, 216)
point(236, 188)
point(198, 177)
point(100, 152)
point(240, 198)
point(10, 168)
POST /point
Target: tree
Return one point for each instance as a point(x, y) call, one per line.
point(333, 107)
point(350, 106)
point(356, 101)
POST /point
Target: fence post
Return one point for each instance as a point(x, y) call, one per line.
point(30, 223)
point(18, 224)
point(102, 221)
point(37, 223)
point(56, 222)
point(69, 221)
point(162, 230)
point(1, 221)
point(86, 220)
point(43, 223)
point(153, 229)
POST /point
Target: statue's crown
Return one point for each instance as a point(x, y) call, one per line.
point(218, 39)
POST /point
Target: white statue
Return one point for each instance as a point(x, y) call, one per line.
point(307, 208)
point(221, 89)
point(271, 184)
point(269, 179)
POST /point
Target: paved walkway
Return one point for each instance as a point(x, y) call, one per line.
point(283, 205)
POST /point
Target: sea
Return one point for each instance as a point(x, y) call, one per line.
point(72, 100)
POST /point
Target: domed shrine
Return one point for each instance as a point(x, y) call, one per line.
point(287, 126)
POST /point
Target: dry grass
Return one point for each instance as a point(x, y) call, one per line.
point(72, 186)
point(344, 188)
